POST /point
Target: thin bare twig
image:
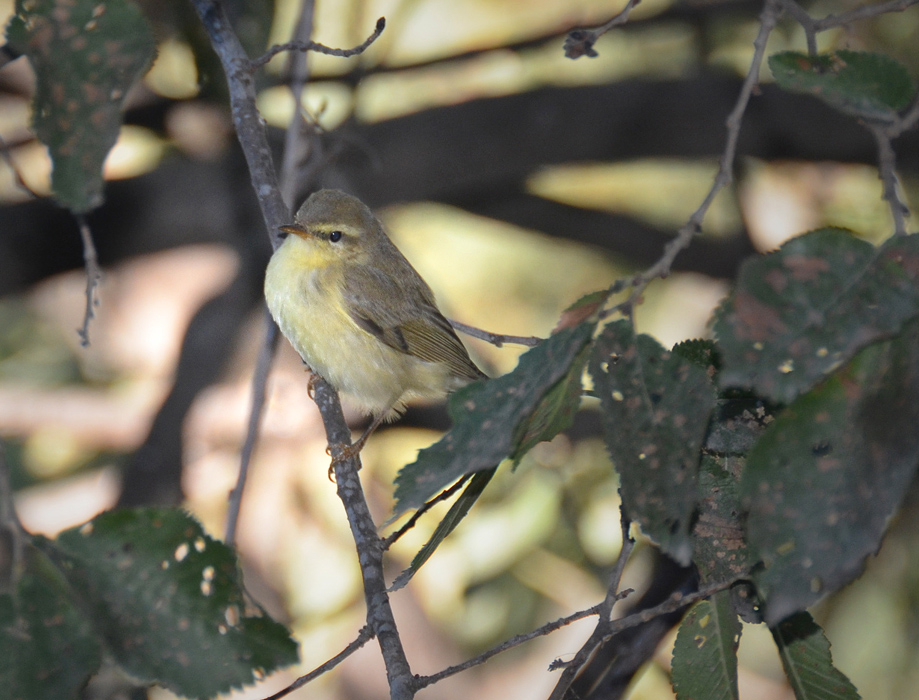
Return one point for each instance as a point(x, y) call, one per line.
point(864, 12)
point(806, 21)
point(90, 257)
point(259, 389)
point(605, 610)
point(442, 496)
point(364, 636)
point(424, 681)
point(812, 27)
point(93, 277)
point(907, 120)
point(295, 146)
point(13, 536)
point(496, 339)
point(660, 269)
point(672, 604)
point(319, 48)
point(580, 42)
point(602, 609)
point(266, 354)
point(887, 171)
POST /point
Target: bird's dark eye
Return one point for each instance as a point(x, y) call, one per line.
point(335, 236)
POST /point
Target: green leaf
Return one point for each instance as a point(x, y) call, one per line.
point(48, 646)
point(454, 516)
point(554, 412)
point(799, 313)
point(167, 600)
point(86, 57)
point(805, 654)
point(719, 538)
point(656, 408)
point(869, 85)
point(825, 478)
point(492, 419)
point(705, 652)
point(703, 353)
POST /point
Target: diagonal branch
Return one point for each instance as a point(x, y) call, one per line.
point(605, 609)
point(660, 269)
point(252, 135)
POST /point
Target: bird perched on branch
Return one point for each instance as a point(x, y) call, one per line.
point(358, 313)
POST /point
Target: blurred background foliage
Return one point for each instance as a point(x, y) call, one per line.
point(515, 180)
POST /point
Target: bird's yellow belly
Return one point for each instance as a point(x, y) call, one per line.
point(309, 309)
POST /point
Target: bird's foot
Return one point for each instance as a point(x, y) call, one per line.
point(341, 452)
point(311, 385)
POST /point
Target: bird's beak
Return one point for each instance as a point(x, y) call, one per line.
point(294, 229)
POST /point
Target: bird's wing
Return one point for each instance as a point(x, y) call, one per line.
point(408, 321)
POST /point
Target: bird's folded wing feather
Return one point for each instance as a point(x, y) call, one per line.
point(409, 320)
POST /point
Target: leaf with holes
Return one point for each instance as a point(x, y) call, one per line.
point(86, 55)
point(656, 408)
point(868, 85)
point(705, 652)
point(823, 481)
point(805, 653)
point(799, 313)
point(167, 601)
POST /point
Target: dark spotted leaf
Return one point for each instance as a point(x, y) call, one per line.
point(492, 419)
point(705, 653)
point(868, 85)
point(656, 408)
point(48, 646)
point(825, 478)
point(801, 312)
point(167, 601)
point(86, 55)
point(805, 653)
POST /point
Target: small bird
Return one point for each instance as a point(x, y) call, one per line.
point(358, 312)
